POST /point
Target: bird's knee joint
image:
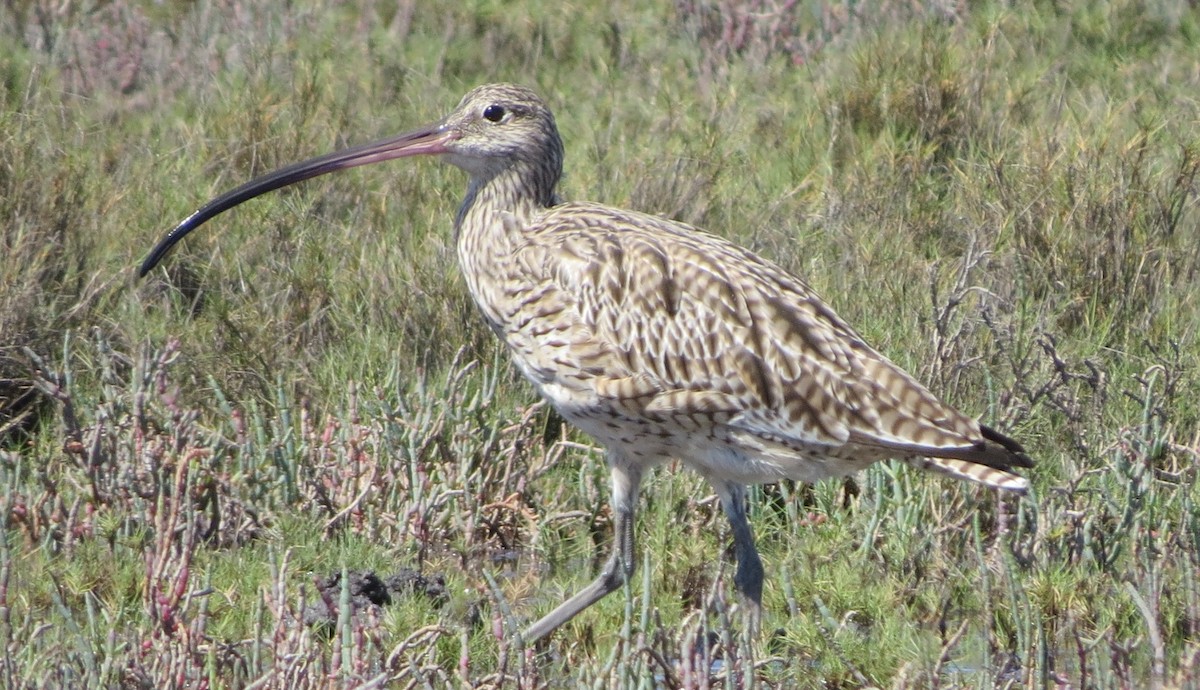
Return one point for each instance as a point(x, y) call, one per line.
point(617, 571)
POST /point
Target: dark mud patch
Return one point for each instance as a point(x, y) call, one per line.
point(370, 592)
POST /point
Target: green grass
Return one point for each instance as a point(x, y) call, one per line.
point(1001, 198)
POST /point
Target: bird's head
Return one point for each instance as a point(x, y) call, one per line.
point(498, 126)
point(495, 128)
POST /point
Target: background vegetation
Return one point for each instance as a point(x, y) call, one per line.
point(206, 475)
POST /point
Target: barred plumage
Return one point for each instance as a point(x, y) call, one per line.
point(662, 341)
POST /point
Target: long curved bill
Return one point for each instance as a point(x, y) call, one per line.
point(430, 140)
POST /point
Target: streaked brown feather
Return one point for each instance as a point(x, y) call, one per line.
point(659, 319)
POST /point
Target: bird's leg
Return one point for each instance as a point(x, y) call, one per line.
point(749, 576)
point(619, 567)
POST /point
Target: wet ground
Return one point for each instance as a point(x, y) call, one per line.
point(370, 591)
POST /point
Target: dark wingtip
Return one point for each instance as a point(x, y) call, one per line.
point(1020, 458)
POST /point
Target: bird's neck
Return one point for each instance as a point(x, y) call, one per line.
point(499, 205)
point(519, 191)
point(491, 225)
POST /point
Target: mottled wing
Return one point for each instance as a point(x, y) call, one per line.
point(660, 320)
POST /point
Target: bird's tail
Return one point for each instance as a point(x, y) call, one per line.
point(992, 463)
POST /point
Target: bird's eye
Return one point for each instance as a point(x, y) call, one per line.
point(493, 113)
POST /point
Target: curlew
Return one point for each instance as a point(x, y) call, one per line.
point(659, 340)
